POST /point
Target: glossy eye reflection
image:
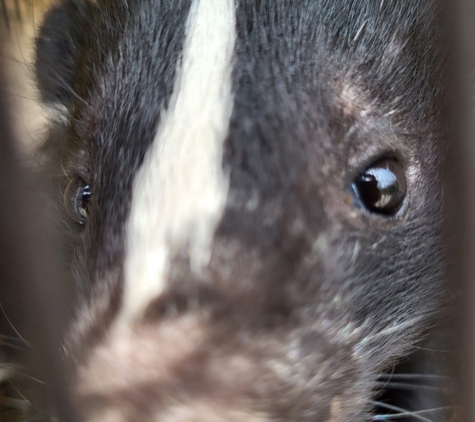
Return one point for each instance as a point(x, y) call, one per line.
point(76, 200)
point(381, 188)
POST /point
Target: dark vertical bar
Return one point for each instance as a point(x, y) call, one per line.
point(30, 282)
point(4, 11)
point(17, 10)
point(460, 197)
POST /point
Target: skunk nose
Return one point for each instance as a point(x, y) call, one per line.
point(128, 378)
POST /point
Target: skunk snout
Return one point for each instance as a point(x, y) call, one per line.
point(194, 368)
point(184, 379)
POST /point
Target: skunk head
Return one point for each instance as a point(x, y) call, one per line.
point(253, 201)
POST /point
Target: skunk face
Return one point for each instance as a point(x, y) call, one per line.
point(253, 201)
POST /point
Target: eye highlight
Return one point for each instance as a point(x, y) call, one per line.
point(76, 200)
point(381, 188)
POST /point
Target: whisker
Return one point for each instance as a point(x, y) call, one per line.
point(13, 327)
point(71, 90)
point(10, 345)
point(391, 330)
point(413, 376)
point(10, 369)
point(15, 403)
point(17, 390)
point(11, 338)
point(433, 350)
point(404, 412)
point(408, 386)
point(5, 374)
point(15, 60)
point(24, 97)
point(31, 405)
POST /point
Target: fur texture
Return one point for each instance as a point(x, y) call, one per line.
point(306, 297)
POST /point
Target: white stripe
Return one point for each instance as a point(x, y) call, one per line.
point(180, 191)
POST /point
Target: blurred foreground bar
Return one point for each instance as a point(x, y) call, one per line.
point(460, 196)
point(31, 292)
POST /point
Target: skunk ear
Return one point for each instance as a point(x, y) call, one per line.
point(56, 48)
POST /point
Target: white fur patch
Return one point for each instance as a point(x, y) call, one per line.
point(180, 191)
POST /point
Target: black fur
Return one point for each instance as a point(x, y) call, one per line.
point(306, 285)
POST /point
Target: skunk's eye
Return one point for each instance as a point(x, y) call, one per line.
point(381, 188)
point(76, 200)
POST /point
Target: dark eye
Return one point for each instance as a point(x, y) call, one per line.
point(381, 188)
point(76, 200)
